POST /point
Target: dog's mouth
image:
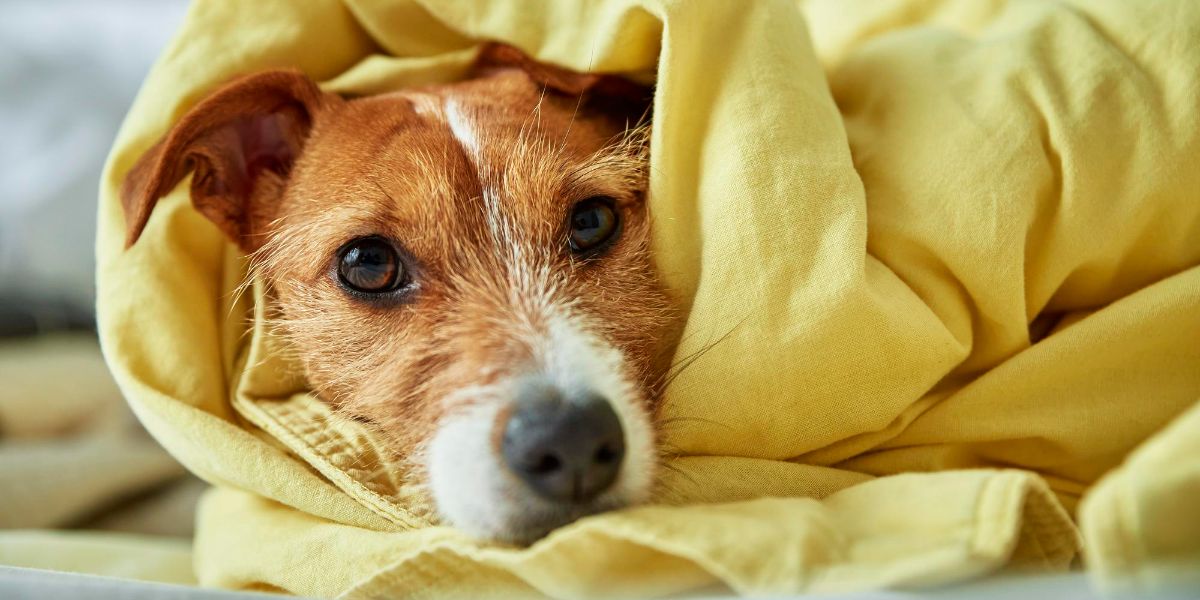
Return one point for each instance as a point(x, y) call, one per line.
point(536, 451)
point(513, 472)
point(538, 519)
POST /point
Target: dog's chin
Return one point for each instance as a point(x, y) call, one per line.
point(535, 523)
point(476, 494)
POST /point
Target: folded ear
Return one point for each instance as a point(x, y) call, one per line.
point(609, 94)
point(241, 142)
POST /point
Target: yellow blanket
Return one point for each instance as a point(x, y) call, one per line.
point(949, 249)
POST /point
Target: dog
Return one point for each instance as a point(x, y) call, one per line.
point(464, 267)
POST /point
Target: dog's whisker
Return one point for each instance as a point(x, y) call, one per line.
point(687, 361)
point(429, 262)
point(680, 472)
point(663, 422)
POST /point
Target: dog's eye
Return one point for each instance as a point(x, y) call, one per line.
point(370, 265)
point(593, 222)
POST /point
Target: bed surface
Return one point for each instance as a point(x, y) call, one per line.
point(30, 584)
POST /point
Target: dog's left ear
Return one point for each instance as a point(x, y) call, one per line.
point(241, 143)
point(609, 94)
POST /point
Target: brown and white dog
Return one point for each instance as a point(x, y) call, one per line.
point(463, 267)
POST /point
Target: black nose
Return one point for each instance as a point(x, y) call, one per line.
point(564, 449)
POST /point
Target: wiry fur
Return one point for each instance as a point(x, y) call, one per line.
point(475, 181)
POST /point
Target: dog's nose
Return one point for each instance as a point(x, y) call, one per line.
point(565, 449)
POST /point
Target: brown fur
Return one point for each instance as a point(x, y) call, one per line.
point(382, 166)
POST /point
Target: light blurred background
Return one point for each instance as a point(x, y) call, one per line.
point(71, 454)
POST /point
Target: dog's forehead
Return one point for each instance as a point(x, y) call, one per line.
point(463, 137)
point(429, 165)
point(483, 118)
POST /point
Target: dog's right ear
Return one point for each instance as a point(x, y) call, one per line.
point(241, 142)
point(615, 96)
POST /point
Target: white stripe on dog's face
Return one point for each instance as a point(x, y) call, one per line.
point(463, 127)
point(469, 480)
point(474, 185)
point(464, 130)
point(472, 487)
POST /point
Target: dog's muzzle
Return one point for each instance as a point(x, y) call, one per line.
point(564, 446)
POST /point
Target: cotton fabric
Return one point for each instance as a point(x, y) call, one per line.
point(945, 253)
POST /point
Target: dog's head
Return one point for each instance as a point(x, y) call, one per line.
point(463, 267)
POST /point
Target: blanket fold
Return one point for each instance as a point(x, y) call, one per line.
point(944, 253)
